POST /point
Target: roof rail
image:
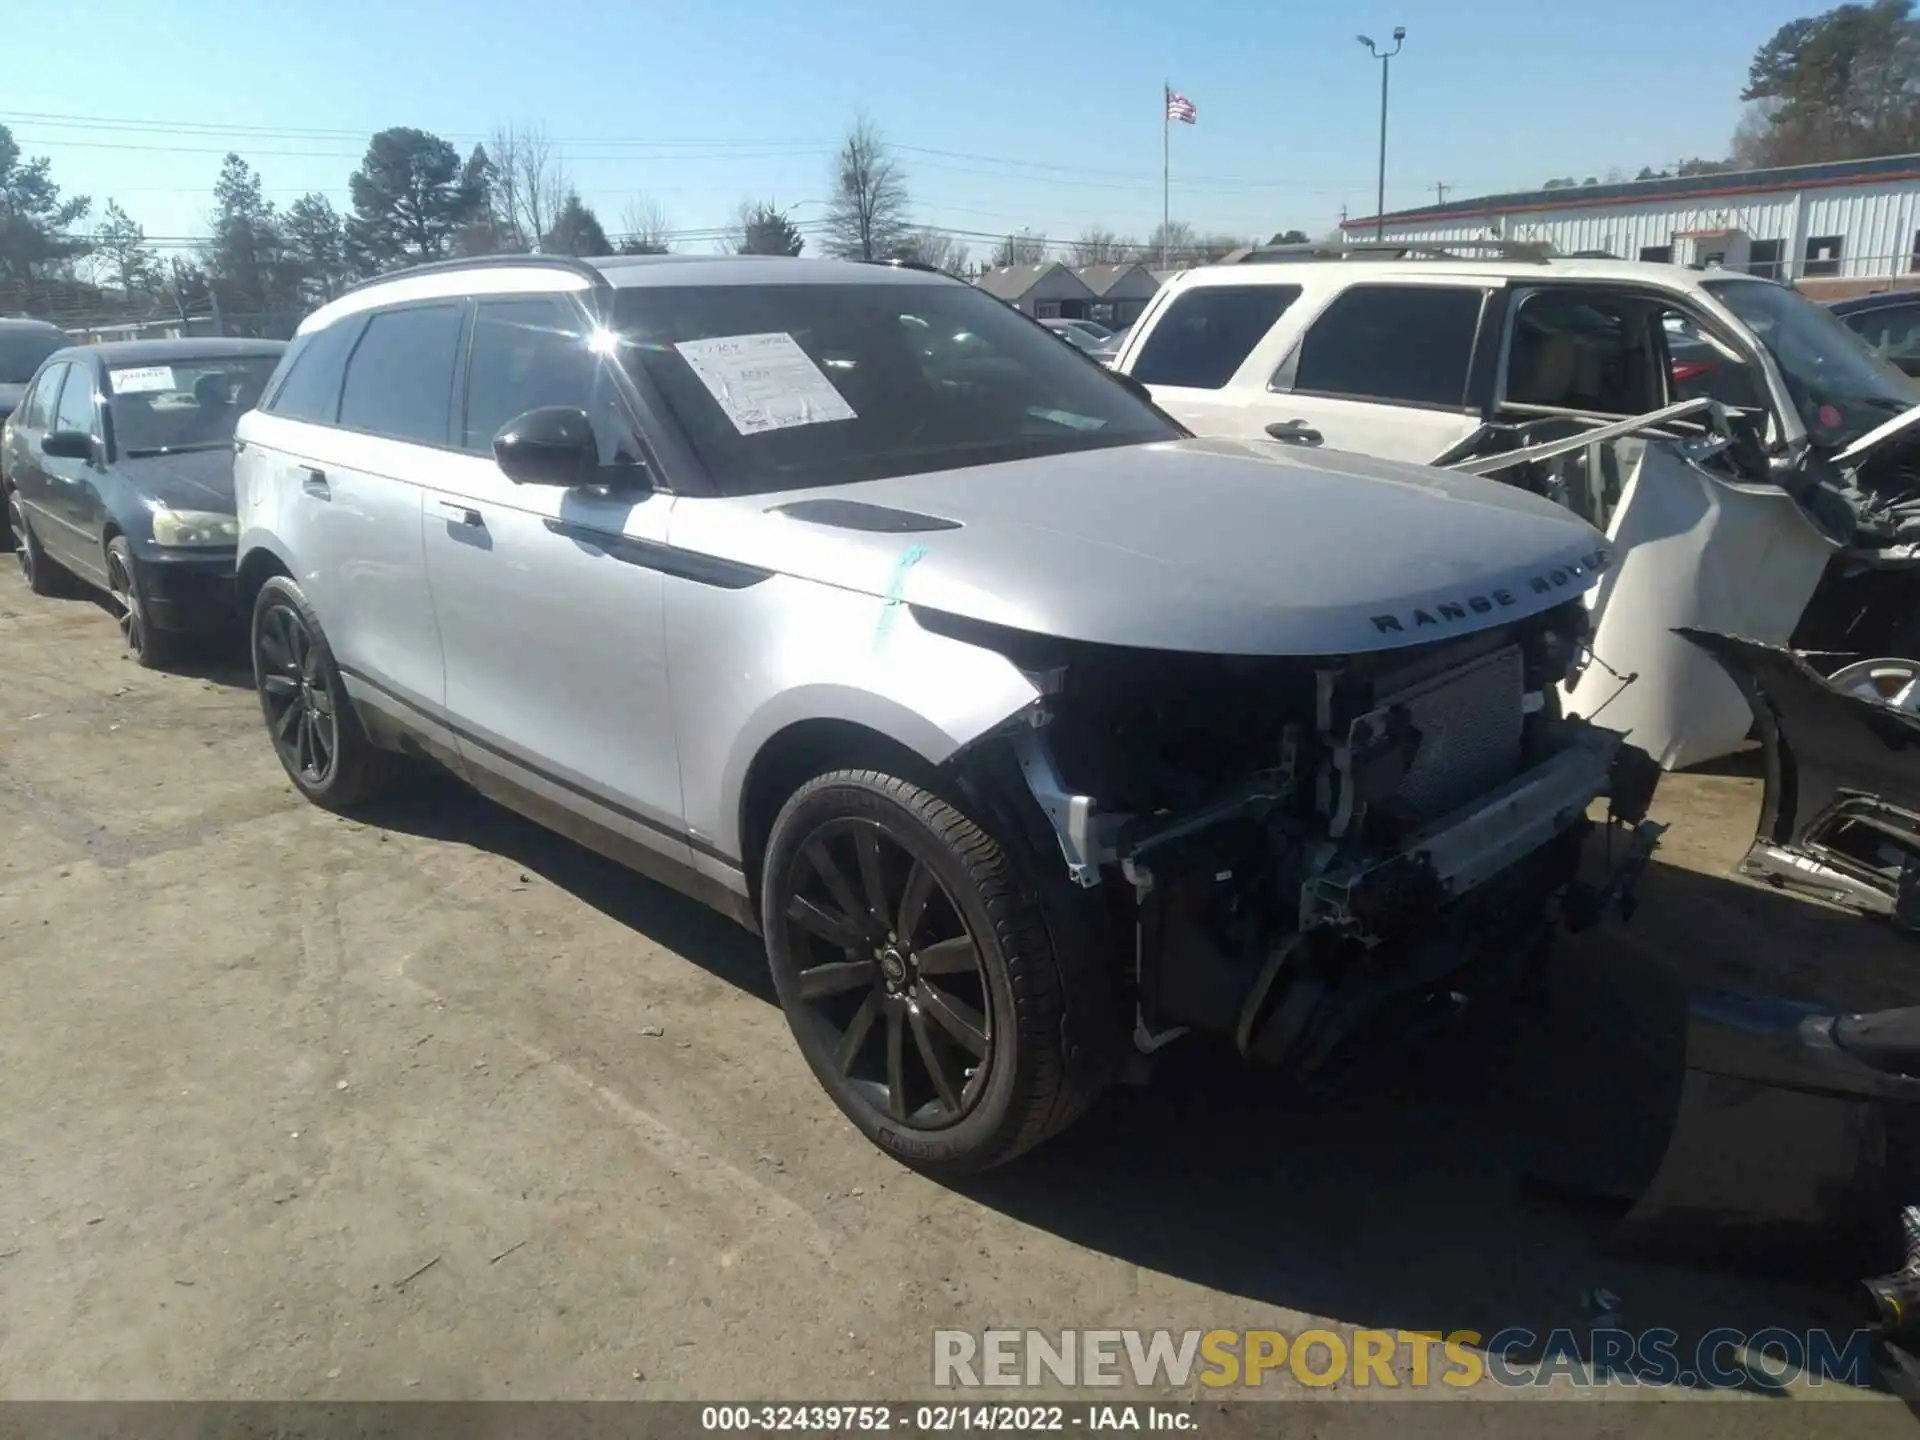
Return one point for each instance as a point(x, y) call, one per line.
point(485, 262)
point(1528, 252)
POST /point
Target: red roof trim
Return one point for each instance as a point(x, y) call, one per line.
point(1409, 217)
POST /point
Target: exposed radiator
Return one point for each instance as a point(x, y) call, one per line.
point(1469, 721)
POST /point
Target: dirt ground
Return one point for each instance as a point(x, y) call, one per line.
point(440, 1106)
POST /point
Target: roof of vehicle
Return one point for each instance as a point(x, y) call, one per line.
point(523, 274)
point(1288, 271)
point(160, 352)
point(1876, 301)
point(18, 323)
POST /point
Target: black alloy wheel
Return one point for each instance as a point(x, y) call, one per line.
point(890, 975)
point(297, 693)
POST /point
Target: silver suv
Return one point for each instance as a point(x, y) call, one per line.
point(1024, 727)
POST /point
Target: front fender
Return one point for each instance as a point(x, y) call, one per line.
point(749, 663)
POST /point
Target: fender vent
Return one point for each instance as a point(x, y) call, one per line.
point(857, 515)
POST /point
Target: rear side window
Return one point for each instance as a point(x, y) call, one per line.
point(1206, 334)
point(38, 410)
point(400, 379)
point(1404, 344)
point(525, 354)
point(315, 366)
point(75, 410)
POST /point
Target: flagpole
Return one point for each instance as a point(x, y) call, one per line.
point(1166, 131)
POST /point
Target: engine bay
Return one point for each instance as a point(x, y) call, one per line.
point(1284, 846)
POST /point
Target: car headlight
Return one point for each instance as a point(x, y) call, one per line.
point(194, 527)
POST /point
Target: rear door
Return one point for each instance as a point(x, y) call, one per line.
point(550, 601)
point(1195, 352)
point(333, 472)
point(29, 425)
point(1386, 369)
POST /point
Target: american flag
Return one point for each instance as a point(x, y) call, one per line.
point(1180, 108)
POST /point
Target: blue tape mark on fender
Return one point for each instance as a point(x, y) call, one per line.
point(896, 586)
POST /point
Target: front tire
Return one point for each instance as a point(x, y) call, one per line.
point(152, 647)
point(310, 717)
point(917, 976)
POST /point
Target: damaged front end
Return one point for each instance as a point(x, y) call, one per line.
point(1840, 821)
point(1284, 847)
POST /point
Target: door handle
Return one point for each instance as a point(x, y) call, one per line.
point(314, 483)
point(463, 514)
point(1295, 432)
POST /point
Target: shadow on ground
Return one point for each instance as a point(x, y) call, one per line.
point(1400, 1202)
point(438, 807)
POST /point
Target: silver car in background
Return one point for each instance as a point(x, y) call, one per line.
point(1025, 728)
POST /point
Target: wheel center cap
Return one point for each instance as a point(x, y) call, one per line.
point(893, 965)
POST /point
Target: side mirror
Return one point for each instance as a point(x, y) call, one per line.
point(67, 445)
point(553, 445)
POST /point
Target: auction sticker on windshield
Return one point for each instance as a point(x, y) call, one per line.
point(142, 379)
point(764, 382)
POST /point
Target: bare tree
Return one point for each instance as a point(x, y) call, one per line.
point(644, 227)
point(1020, 249)
point(530, 183)
point(1100, 246)
point(935, 248)
point(867, 218)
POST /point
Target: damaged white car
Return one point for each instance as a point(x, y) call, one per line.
point(1027, 729)
point(1781, 504)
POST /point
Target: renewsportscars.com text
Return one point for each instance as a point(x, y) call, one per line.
point(1394, 1359)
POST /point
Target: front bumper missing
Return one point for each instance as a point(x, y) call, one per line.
point(1463, 851)
point(1841, 818)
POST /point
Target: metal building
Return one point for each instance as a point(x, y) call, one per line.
point(1843, 228)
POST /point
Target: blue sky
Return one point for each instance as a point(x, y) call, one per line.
point(1042, 116)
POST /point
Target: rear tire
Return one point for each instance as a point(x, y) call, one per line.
point(42, 575)
point(916, 974)
point(310, 718)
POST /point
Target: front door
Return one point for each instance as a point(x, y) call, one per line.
point(548, 599)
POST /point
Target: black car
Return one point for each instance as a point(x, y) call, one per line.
point(119, 465)
point(1888, 324)
point(23, 345)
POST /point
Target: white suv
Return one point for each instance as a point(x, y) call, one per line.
point(1411, 354)
point(1716, 426)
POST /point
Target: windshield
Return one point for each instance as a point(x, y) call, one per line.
point(21, 352)
point(184, 404)
point(786, 386)
point(1840, 388)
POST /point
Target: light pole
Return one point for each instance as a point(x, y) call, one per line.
point(1385, 57)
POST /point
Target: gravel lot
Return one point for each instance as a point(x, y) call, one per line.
point(436, 1105)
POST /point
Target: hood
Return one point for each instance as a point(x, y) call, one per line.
point(196, 480)
point(1215, 546)
point(10, 398)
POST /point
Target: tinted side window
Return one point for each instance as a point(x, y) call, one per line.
point(1410, 344)
point(1206, 334)
point(525, 354)
point(400, 378)
point(314, 368)
point(37, 411)
point(75, 410)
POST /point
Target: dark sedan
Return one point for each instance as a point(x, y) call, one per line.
point(119, 463)
point(1888, 324)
